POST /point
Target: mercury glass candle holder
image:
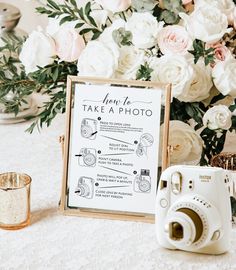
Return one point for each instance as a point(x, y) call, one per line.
point(14, 200)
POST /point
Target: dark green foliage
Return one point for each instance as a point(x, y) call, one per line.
point(144, 73)
point(200, 51)
point(169, 12)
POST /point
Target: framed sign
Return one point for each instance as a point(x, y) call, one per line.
point(112, 142)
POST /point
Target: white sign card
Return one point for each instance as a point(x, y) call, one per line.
point(114, 144)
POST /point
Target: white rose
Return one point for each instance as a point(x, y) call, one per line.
point(200, 86)
point(130, 61)
point(144, 28)
point(100, 17)
point(174, 69)
point(186, 145)
point(224, 76)
point(98, 60)
point(54, 25)
point(174, 39)
point(206, 23)
point(114, 5)
point(38, 50)
point(225, 6)
point(106, 35)
point(69, 44)
point(218, 117)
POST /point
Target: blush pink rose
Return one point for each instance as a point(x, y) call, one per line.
point(69, 44)
point(221, 52)
point(174, 39)
point(114, 5)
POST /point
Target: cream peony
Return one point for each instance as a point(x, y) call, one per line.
point(144, 28)
point(225, 6)
point(232, 18)
point(200, 86)
point(174, 39)
point(98, 60)
point(69, 44)
point(206, 23)
point(224, 77)
point(130, 61)
point(114, 5)
point(186, 145)
point(37, 51)
point(218, 117)
point(174, 69)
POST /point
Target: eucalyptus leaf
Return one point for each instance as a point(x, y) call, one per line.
point(122, 37)
point(169, 17)
point(144, 5)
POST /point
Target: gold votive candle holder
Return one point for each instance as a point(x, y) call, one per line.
point(14, 200)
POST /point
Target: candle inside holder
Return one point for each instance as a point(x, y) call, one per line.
point(14, 200)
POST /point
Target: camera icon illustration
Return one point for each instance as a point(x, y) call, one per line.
point(87, 157)
point(142, 182)
point(89, 128)
point(85, 187)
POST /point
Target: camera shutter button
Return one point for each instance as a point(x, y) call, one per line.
point(163, 203)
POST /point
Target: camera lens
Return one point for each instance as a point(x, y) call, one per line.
point(86, 131)
point(89, 159)
point(176, 231)
point(196, 220)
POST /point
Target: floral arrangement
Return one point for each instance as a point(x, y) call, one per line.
point(190, 44)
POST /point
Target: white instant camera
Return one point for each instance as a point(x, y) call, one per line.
point(89, 128)
point(193, 211)
point(142, 182)
point(85, 187)
point(87, 157)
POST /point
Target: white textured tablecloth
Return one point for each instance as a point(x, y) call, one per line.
point(60, 242)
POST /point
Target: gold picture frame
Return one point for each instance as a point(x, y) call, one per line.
point(65, 140)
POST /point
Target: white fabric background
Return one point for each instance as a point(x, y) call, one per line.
point(59, 242)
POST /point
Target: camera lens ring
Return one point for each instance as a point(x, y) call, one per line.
point(144, 185)
point(181, 230)
point(89, 159)
point(196, 220)
point(206, 214)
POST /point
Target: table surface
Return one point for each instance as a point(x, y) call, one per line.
point(59, 242)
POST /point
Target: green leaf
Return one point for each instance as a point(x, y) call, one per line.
point(53, 4)
point(96, 35)
point(200, 51)
point(87, 9)
point(91, 20)
point(73, 2)
point(144, 73)
point(85, 31)
point(169, 17)
point(79, 25)
point(81, 13)
point(65, 19)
